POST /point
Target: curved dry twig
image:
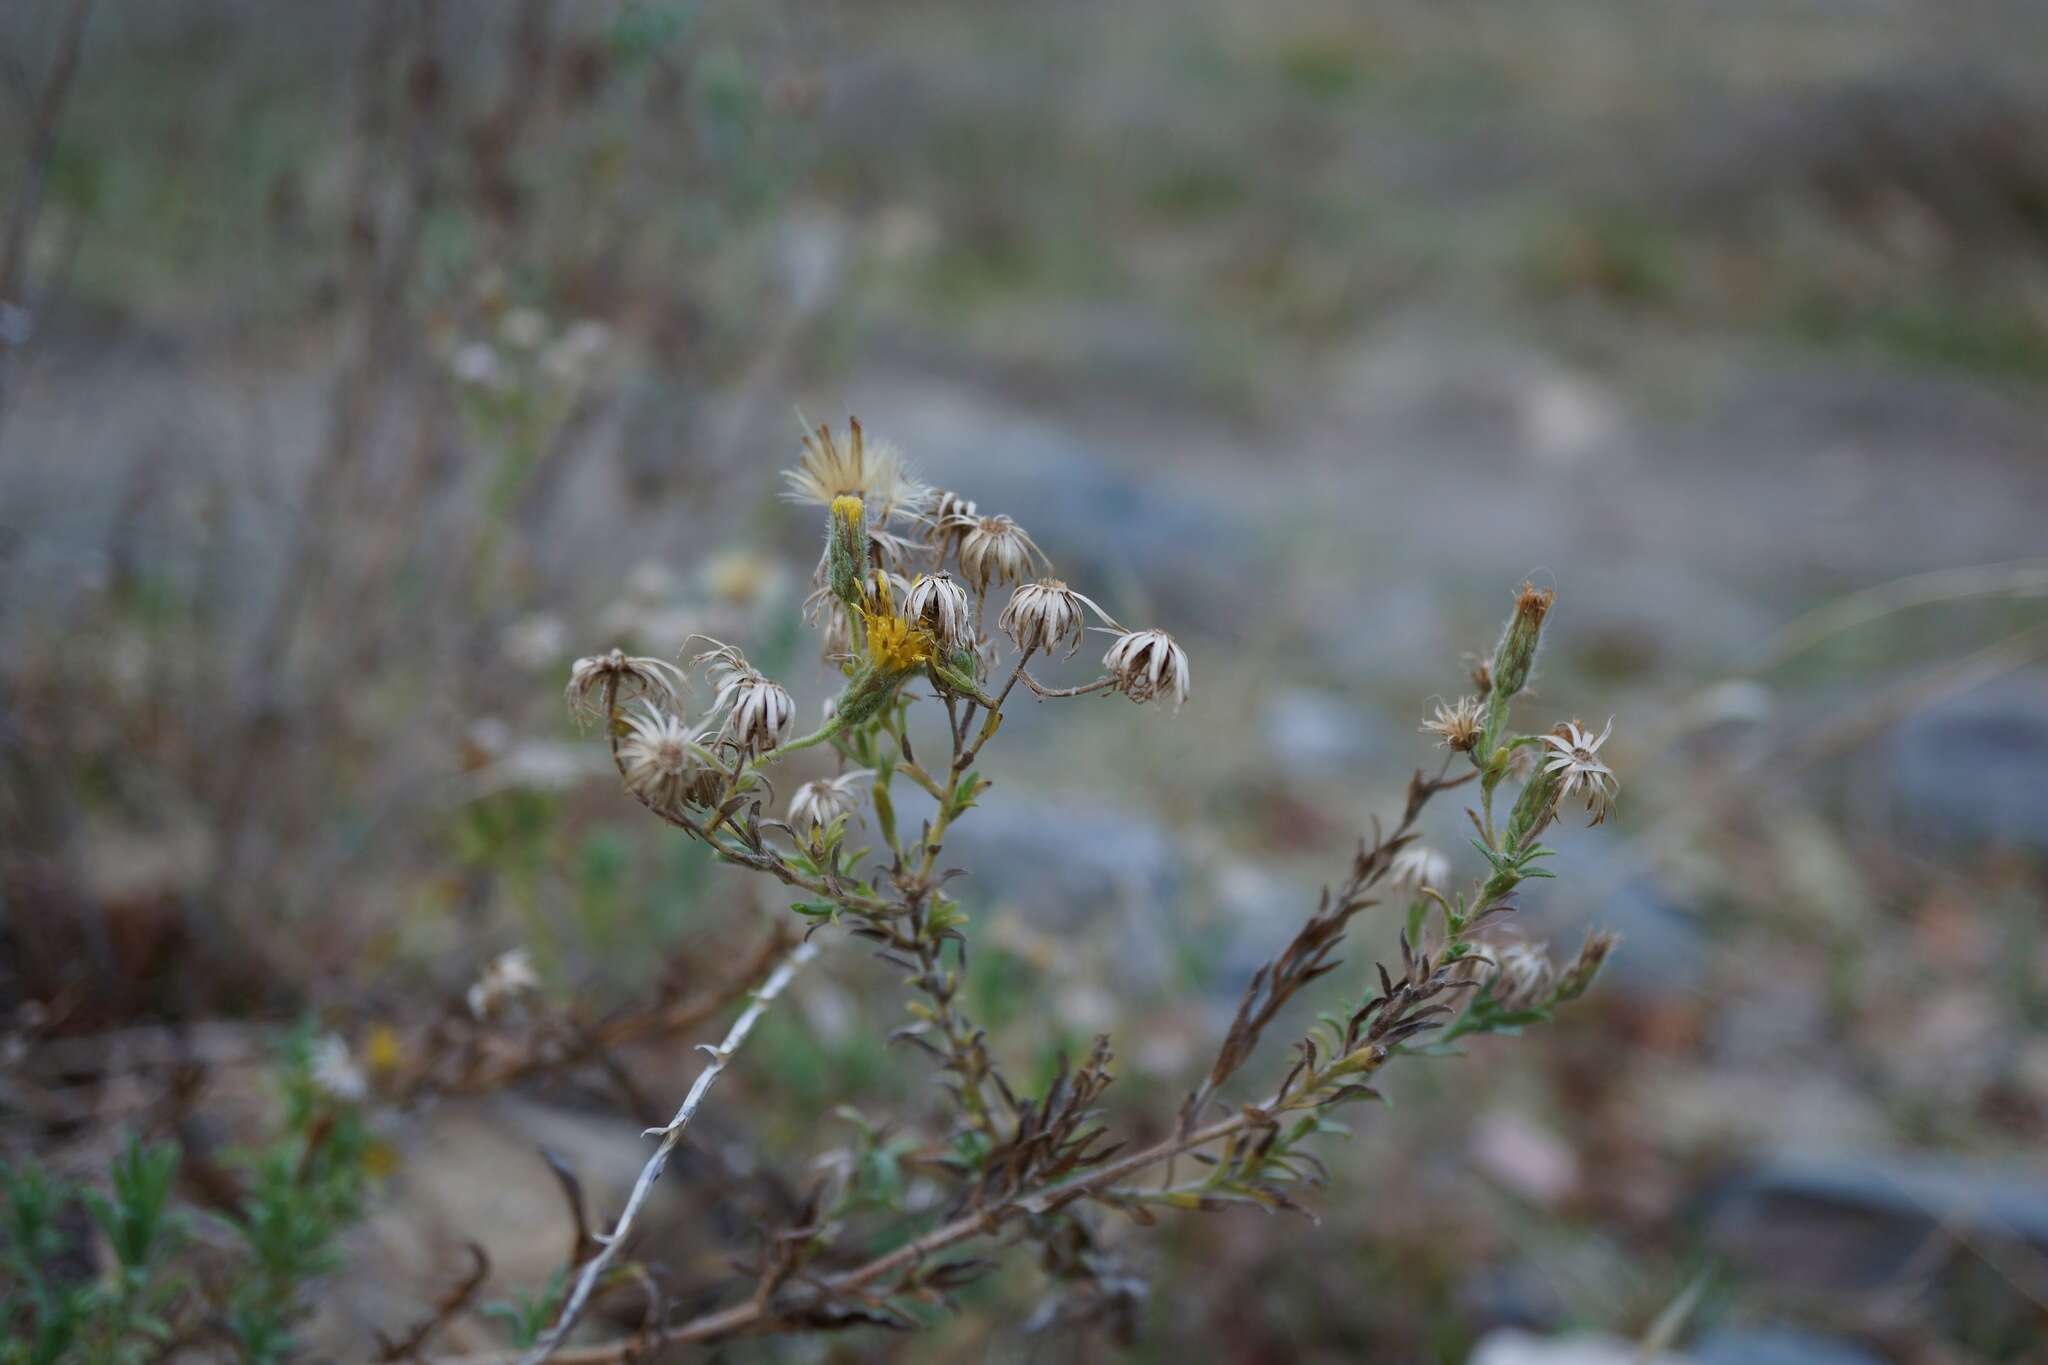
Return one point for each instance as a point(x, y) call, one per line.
point(593, 1269)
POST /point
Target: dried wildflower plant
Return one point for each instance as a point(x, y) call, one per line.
point(901, 613)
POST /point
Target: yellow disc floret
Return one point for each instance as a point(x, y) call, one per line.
point(896, 645)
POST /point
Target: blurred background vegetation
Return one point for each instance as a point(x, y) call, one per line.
point(360, 365)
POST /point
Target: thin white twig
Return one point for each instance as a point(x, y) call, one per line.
point(593, 1269)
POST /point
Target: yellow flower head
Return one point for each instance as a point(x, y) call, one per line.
point(896, 645)
point(382, 1050)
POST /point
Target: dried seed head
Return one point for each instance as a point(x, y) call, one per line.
point(1516, 652)
point(1574, 756)
point(1457, 726)
point(940, 605)
point(818, 804)
point(1147, 663)
point(1046, 614)
point(625, 677)
point(873, 472)
point(996, 550)
point(1417, 868)
point(1522, 977)
point(663, 763)
point(508, 976)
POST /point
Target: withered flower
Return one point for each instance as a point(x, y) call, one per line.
point(1522, 976)
point(625, 676)
point(1146, 664)
point(758, 713)
point(940, 605)
point(1574, 754)
point(1045, 614)
point(662, 761)
point(1457, 725)
point(996, 550)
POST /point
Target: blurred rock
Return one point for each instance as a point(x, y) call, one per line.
point(1102, 526)
point(1511, 1295)
point(1776, 1346)
point(1853, 1224)
point(1789, 1106)
point(1599, 887)
point(1070, 867)
point(1969, 771)
point(1524, 1157)
point(1261, 909)
point(1316, 734)
point(1512, 1346)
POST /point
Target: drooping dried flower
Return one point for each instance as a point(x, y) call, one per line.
point(1148, 663)
point(1457, 725)
point(758, 713)
point(625, 676)
point(996, 550)
point(1417, 868)
point(661, 760)
point(873, 472)
point(333, 1070)
point(940, 605)
point(1574, 755)
point(508, 976)
point(817, 804)
point(1045, 614)
point(1522, 976)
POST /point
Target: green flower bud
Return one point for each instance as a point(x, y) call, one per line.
point(1516, 651)
point(846, 548)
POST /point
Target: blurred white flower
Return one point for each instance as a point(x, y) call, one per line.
point(817, 804)
point(1522, 976)
point(1418, 867)
point(335, 1072)
point(524, 328)
point(478, 363)
point(507, 977)
point(537, 640)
